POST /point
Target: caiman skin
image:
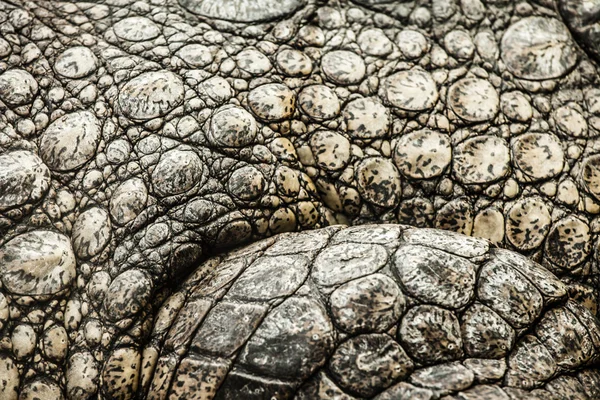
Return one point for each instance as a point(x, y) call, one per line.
point(139, 139)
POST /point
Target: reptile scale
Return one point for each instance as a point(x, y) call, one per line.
point(299, 199)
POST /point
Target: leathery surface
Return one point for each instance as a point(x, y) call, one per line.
point(139, 138)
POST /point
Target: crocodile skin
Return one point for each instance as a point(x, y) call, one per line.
point(140, 138)
point(373, 311)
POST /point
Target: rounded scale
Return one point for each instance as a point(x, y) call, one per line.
point(121, 373)
point(459, 44)
point(177, 172)
point(17, 87)
point(128, 293)
point(76, 62)
point(538, 156)
point(481, 159)
point(319, 102)
point(243, 10)
point(412, 44)
point(272, 102)
point(82, 375)
point(570, 122)
point(366, 119)
point(455, 216)
point(151, 94)
point(294, 62)
point(253, 62)
point(538, 48)
point(410, 90)
point(343, 67)
point(379, 181)
point(136, 29)
point(374, 42)
point(423, 154)
point(196, 55)
point(246, 183)
point(128, 200)
point(367, 363)
point(569, 242)
point(434, 276)
point(232, 126)
point(39, 262)
point(516, 106)
point(474, 100)
point(371, 303)
point(91, 232)
point(24, 179)
point(70, 141)
point(527, 223)
point(331, 150)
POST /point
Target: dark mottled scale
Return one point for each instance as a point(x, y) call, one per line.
point(399, 346)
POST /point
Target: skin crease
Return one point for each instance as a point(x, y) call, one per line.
point(144, 146)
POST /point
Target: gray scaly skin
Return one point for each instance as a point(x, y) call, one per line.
point(137, 139)
point(373, 311)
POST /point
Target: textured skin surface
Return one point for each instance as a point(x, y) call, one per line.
point(373, 310)
point(139, 138)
